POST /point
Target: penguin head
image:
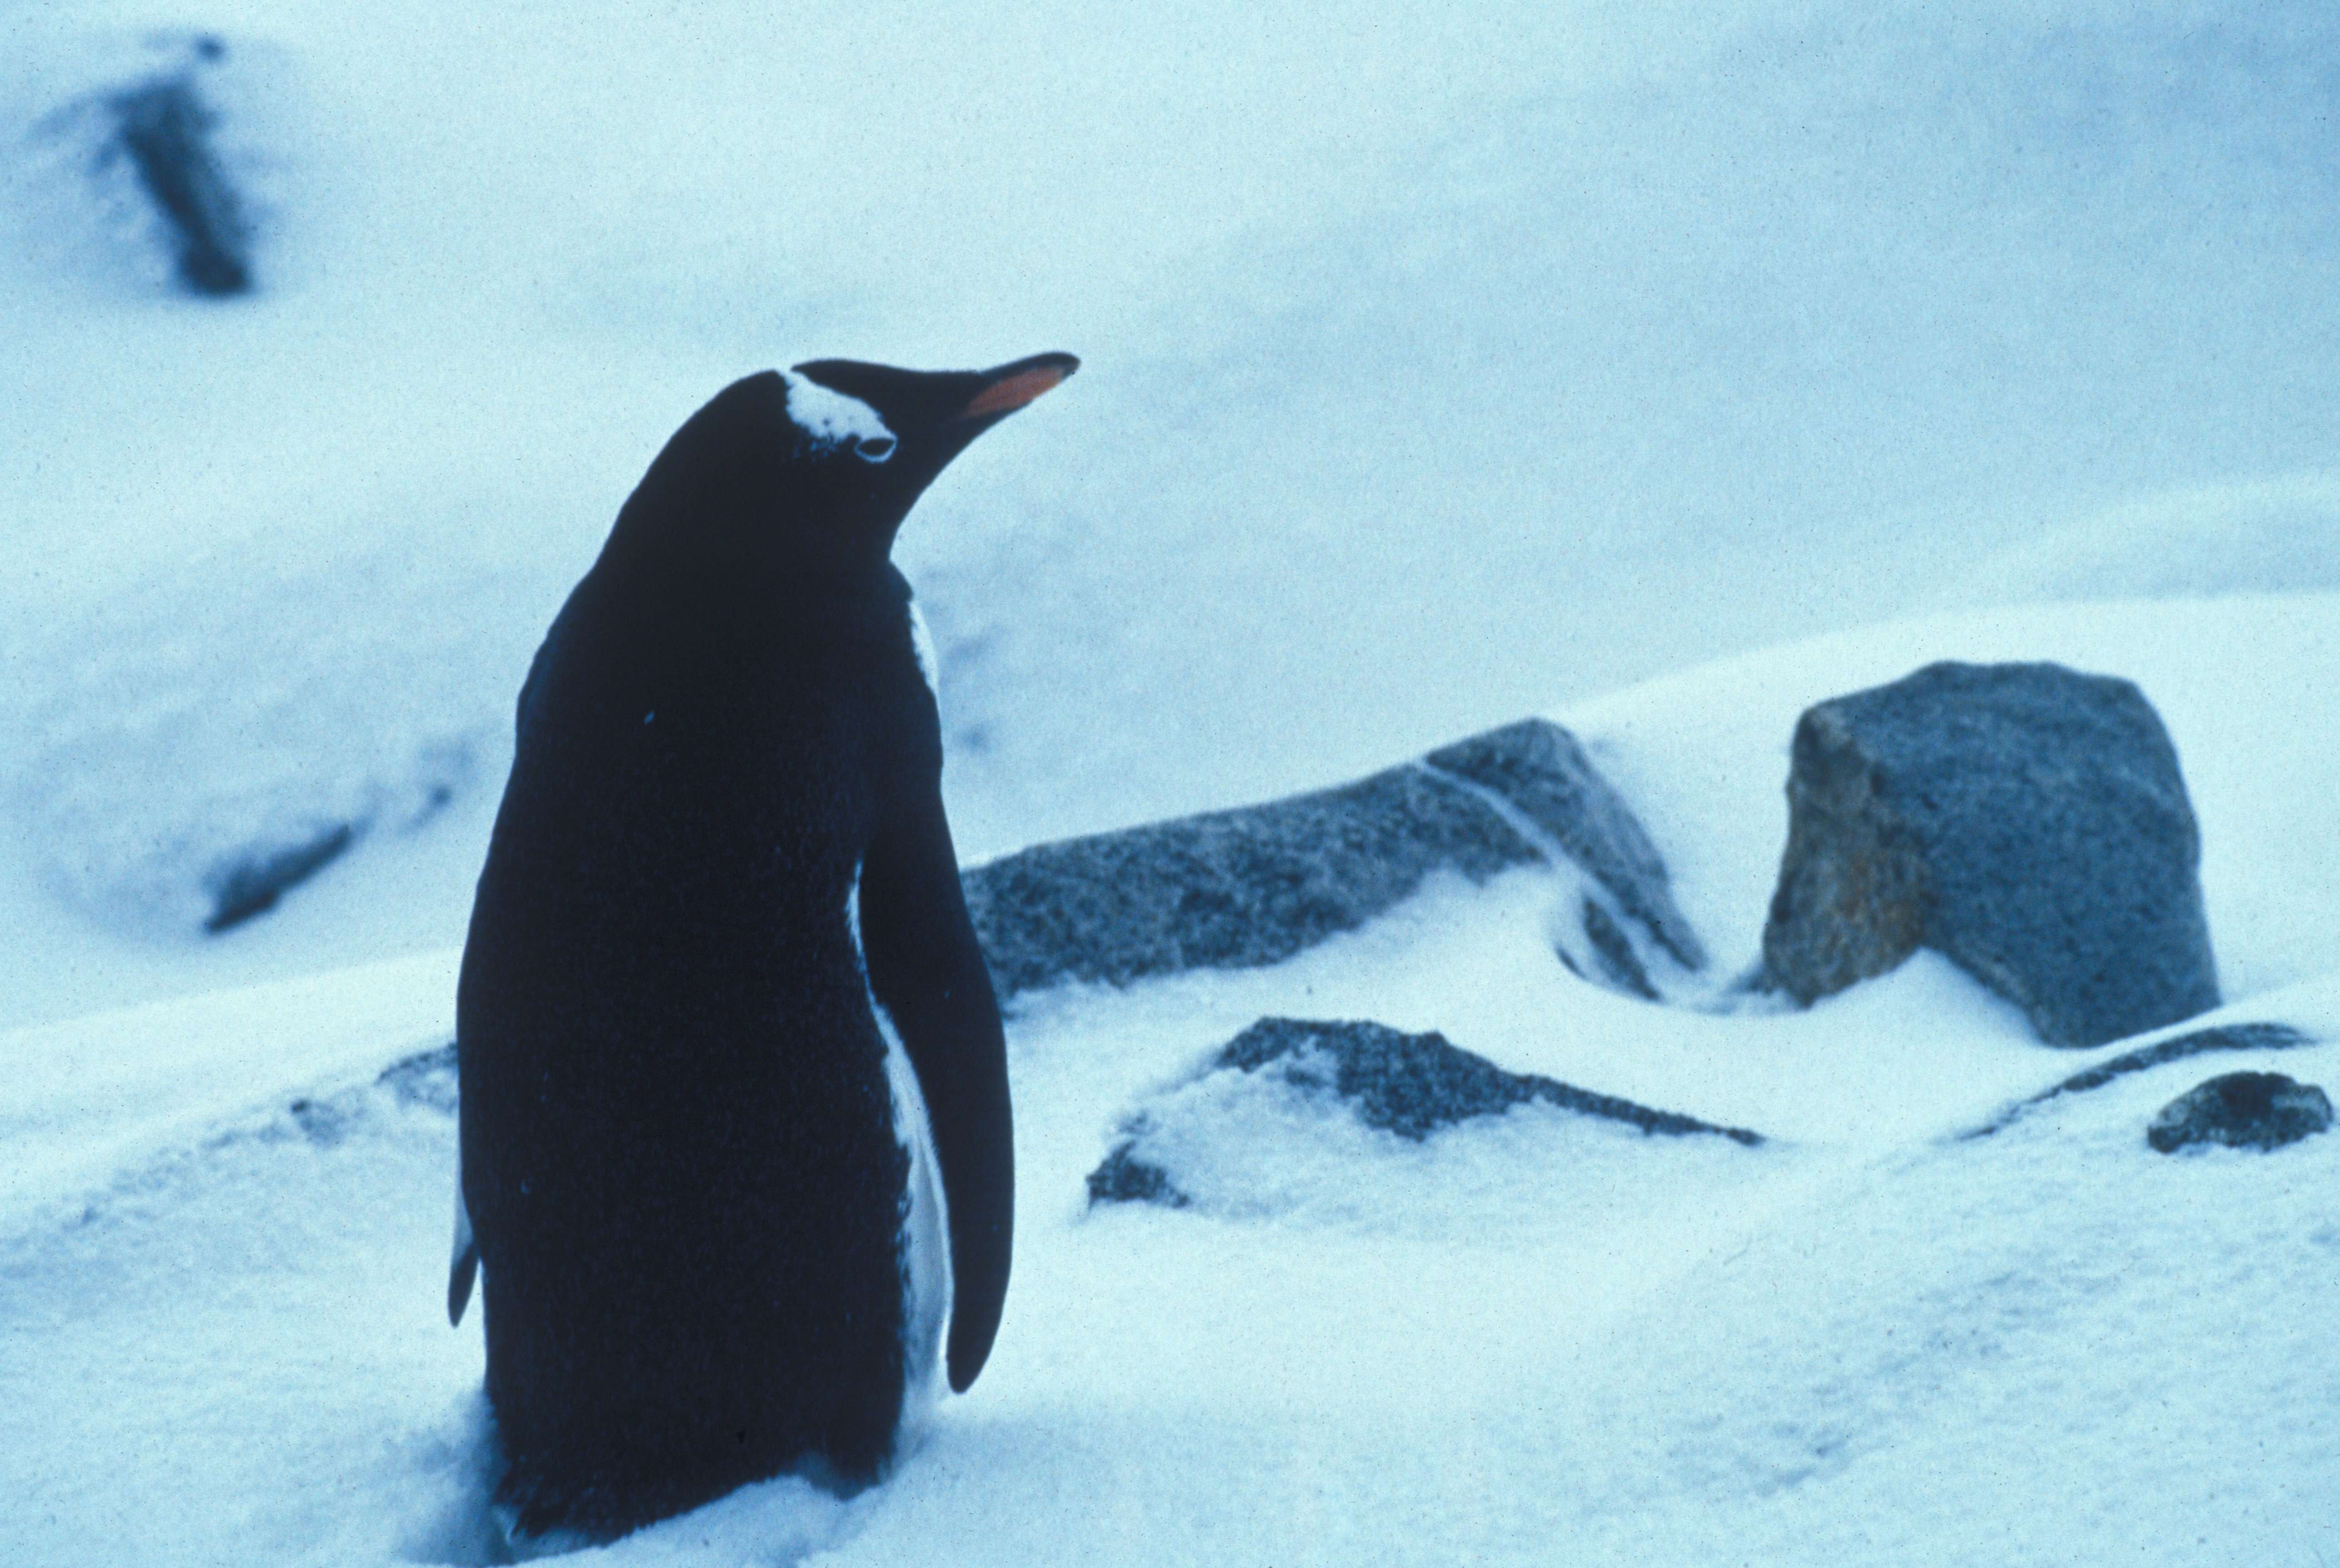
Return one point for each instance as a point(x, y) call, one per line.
point(810, 471)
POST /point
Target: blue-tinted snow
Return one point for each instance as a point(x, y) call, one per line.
point(1442, 365)
point(1450, 365)
point(223, 1335)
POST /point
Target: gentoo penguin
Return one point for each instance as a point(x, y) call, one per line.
point(719, 909)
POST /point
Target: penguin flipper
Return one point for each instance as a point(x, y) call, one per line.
point(927, 970)
point(464, 1266)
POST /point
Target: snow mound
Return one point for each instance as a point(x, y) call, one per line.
point(2259, 536)
point(142, 151)
point(1313, 1119)
point(1246, 1147)
point(226, 1250)
point(264, 696)
point(1443, 364)
point(235, 1353)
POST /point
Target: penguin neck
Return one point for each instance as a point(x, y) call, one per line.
point(695, 601)
point(710, 553)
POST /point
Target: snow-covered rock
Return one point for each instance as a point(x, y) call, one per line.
point(2260, 1110)
point(1196, 1135)
point(2028, 820)
point(1252, 886)
point(1537, 771)
point(223, 1226)
point(1231, 889)
point(2256, 1037)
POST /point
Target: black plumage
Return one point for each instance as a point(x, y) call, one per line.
point(681, 1173)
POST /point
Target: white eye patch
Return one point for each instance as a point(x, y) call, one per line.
point(830, 419)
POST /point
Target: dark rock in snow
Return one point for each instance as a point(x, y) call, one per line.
point(1123, 1177)
point(2195, 1043)
point(1253, 886)
point(1614, 951)
point(2242, 1111)
point(1234, 889)
point(250, 884)
point(1408, 1084)
point(2028, 822)
point(426, 1078)
point(1413, 1084)
point(163, 128)
point(323, 1122)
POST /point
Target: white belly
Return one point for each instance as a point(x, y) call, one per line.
point(926, 1250)
point(925, 1226)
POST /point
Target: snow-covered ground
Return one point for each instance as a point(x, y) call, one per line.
point(1442, 365)
point(1529, 1338)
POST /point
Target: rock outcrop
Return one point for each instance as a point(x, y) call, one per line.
point(1253, 886)
point(2026, 821)
point(1411, 1085)
point(2242, 1111)
point(1540, 770)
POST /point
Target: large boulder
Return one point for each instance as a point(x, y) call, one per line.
point(2026, 821)
point(1411, 1085)
point(1253, 886)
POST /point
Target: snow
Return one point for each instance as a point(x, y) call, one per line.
point(1861, 1342)
point(1443, 365)
point(1665, 369)
point(2259, 536)
point(116, 1090)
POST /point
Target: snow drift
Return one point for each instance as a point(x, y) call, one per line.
point(1521, 1336)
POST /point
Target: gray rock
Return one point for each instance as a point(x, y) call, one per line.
point(1125, 1177)
point(1539, 769)
point(2194, 1042)
point(250, 883)
point(162, 127)
point(1253, 886)
point(2026, 821)
point(1408, 1084)
point(1612, 950)
point(1233, 888)
point(2242, 1111)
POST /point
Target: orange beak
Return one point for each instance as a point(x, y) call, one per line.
point(1011, 393)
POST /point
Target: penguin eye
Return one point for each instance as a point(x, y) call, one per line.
point(873, 448)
